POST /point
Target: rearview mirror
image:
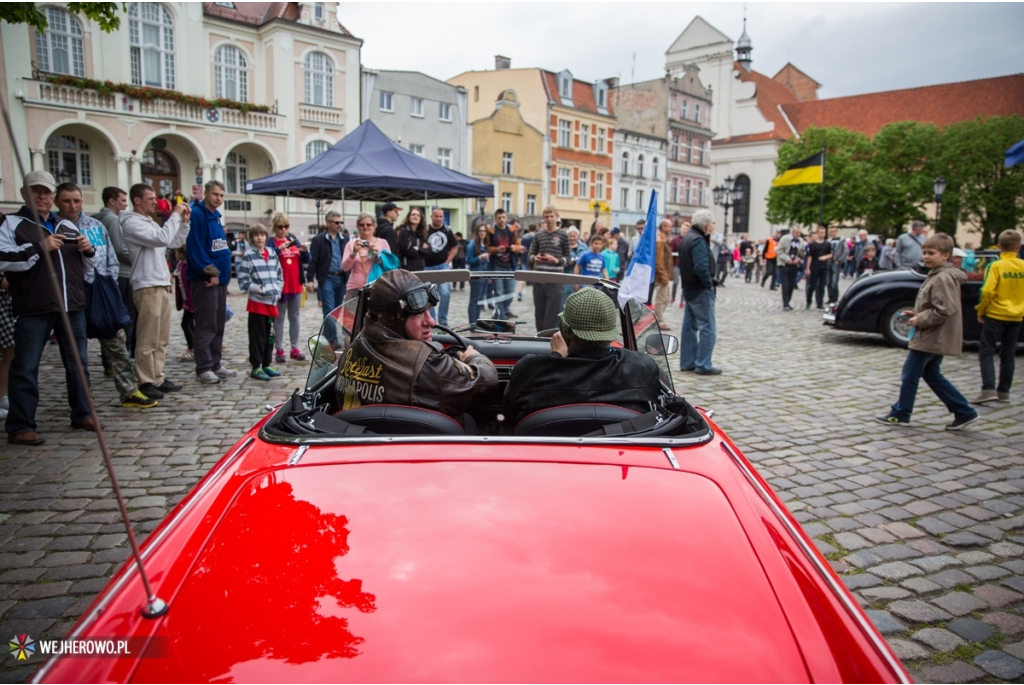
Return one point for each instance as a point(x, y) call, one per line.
point(658, 343)
point(494, 326)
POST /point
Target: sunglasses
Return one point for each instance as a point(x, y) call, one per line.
point(283, 226)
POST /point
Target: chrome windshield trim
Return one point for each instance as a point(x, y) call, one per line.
point(655, 441)
point(671, 457)
point(840, 591)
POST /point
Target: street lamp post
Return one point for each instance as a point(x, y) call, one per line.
point(939, 186)
point(727, 196)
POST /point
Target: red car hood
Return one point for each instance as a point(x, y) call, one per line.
point(476, 571)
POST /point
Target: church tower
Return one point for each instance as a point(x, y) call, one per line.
point(743, 48)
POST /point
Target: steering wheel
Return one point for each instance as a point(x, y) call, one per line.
point(460, 343)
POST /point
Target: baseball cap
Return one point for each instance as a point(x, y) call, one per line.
point(40, 178)
point(590, 315)
point(615, 229)
point(388, 206)
point(957, 252)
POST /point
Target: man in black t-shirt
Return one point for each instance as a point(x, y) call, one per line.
point(443, 248)
point(819, 256)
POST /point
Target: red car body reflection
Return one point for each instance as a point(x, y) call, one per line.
point(487, 563)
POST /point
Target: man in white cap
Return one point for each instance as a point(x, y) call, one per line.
point(23, 245)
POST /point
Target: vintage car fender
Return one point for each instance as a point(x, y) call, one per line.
point(862, 305)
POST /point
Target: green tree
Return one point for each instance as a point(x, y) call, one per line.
point(982, 193)
point(848, 154)
point(103, 13)
point(900, 176)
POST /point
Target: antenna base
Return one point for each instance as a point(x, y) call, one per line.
point(155, 608)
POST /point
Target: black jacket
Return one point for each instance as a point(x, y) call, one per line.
point(695, 262)
point(411, 250)
point(386, 230)
point(21, 258)
point(610, 375)
point(320, 258)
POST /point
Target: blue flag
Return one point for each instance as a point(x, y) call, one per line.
point(636, 284)
point(1015, 155)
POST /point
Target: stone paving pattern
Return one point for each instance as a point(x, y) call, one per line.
point(926, 527)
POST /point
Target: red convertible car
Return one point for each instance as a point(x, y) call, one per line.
point(389, 544)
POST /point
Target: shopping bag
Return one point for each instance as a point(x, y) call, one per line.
point(105, 313)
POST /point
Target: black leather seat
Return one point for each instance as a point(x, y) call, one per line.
point(396, 419)
point(571, 420)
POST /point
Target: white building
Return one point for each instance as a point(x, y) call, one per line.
point(639, 160)
point(289, 71)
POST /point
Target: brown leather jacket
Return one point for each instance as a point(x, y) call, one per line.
point(382, 367)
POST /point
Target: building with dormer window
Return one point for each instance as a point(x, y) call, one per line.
point(288, 71)
point(577, 120)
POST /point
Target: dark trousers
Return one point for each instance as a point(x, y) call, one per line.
point(331, 294)
point(1005, 334)
point(547, 303)
point(769, 272)
point(209, 306)
point(816, 285)
point(788, 279)
point(926, 365)
point(261, 339)
point(188, 327)
point(31, 331)
point(125, 286)
point(834, 271)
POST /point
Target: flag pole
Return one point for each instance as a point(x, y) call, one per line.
point(821, 208)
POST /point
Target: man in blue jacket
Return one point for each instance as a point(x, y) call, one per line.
point(209, 270)
point(697, 340)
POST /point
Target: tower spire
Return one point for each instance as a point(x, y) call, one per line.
point(744, 45)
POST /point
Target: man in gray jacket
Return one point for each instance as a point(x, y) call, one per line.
point(908, 247)
point(840, 255)
point(151, 284)
point(115, 201)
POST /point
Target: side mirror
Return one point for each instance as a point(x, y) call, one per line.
point(658, 343)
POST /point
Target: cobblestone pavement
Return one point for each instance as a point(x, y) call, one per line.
point(925, 526)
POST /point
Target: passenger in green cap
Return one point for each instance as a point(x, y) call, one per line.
point(583, 366)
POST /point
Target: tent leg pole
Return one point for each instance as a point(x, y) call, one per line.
point(342, 206)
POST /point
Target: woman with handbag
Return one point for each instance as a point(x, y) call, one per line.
point(292, 255)
point(362, 254)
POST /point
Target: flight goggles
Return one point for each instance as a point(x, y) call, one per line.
point(412, 302)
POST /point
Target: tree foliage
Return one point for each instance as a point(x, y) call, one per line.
point(105, 14)
point(884, 183)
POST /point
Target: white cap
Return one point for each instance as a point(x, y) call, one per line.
point(40, 178)
point(957, 252)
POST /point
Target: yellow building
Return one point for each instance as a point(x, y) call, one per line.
point(509, 153)
point(577, 127)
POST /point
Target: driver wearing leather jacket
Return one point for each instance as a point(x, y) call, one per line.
point(394, 360)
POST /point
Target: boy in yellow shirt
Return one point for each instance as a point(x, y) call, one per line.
point(1000, 312)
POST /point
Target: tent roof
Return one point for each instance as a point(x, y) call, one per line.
point(369, 167)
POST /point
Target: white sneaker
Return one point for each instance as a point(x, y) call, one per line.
point(208, 377)
point(225, 373)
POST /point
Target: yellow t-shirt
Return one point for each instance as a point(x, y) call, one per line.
point(1002, 296)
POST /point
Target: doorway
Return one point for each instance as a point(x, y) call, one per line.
point(160, 171)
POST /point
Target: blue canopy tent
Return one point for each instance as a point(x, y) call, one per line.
point(368, 166)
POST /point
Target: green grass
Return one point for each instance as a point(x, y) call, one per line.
point(963, 587)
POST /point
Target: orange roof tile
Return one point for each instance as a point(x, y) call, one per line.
point(941, 105)
point(582, 93)
point(770, 94)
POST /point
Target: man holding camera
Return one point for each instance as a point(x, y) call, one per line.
point(23, 245)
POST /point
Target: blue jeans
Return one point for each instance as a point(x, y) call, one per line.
point(30, 335)
point(504, 291)
point(698, 318)
point(445, 292)
point(926, 365)
point(477, 293)
point(331, 295)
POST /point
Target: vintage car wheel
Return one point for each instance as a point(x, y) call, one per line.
point(894, 329)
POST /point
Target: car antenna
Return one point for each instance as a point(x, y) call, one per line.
point(155, 606)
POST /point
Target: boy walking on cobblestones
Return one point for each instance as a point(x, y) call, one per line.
point(937, 330)
point(1000, 312)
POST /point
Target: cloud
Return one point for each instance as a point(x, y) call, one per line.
point(850, 48)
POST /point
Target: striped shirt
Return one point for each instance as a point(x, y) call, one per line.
point(555, 243)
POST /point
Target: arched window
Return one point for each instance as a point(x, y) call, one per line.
point(315, 148)
point(640, 166)
point(59, 50)
point(237, 173)
point(151, 34)
point(319, 79)
point(69, 156)
point(654, 168)
point(625, 164)
point(741, 215)
point(231, 73)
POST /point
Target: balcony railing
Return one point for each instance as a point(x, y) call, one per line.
point(322, 116)
point(47, 93)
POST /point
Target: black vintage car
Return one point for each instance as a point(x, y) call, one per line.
point(873, 302)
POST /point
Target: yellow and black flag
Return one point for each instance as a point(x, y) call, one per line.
point(810, 170)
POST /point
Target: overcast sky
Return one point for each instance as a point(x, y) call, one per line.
point(850, 48)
